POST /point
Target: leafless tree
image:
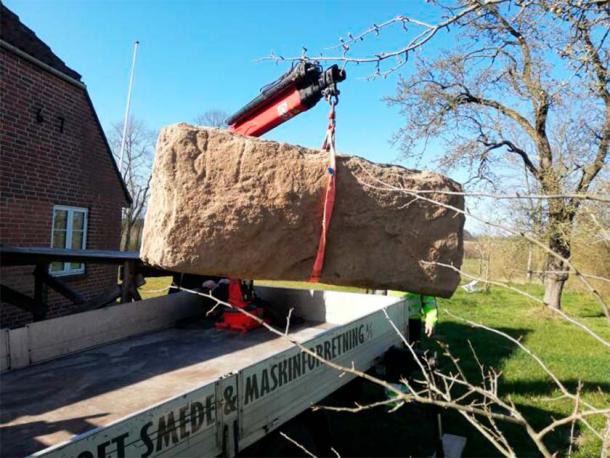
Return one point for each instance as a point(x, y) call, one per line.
point(522, 84)
point(367, 180)
point(137, 164)
point(499, 87)
point(212, 118)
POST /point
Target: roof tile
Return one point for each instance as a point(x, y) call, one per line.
point(14, 32)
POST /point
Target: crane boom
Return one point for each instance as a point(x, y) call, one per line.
point(298, 90)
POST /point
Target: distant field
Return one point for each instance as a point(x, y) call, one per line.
point(157, 286)
point(508, 261)
point(314, 286)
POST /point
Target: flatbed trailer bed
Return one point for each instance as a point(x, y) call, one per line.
point(194, 390)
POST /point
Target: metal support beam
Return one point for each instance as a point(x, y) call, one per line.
point(135, 294)
point(42, 274)
point(132, 276)
point(37, 309)
point(38, 285)
point(127, 277)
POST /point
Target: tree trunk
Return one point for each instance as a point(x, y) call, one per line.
point(139, 228)
point(560, 222)
point(127, 238)
point(127, 228)
point(557, 272)
point(487, 273)
point(553, 287)
point(529, 262)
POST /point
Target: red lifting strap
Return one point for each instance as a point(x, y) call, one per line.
point(329, 200)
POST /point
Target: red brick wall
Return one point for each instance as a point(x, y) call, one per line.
point(41, 167)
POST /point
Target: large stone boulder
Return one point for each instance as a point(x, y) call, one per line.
point(225, 204)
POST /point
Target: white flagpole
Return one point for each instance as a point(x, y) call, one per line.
point(127, 107)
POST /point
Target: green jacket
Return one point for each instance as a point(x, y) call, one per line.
point(422, 308)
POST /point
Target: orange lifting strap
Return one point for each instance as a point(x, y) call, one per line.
point(329, 200)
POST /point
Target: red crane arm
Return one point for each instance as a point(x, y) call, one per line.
point(300, 89)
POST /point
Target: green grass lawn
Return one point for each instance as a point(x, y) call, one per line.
point(155, 286)
point(569, 352)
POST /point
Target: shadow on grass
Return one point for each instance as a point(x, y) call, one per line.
point(545, 388)
point(493, 351)
point(591, 315)
point(410, 431)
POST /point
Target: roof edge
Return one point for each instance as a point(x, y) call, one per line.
point(15, 32)
point(81, 85)
point(128, 199)
point(15, 50)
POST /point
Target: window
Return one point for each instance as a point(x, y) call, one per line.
point(69, 231)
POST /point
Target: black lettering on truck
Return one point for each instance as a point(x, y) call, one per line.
point(251, 388)
point(165, 429)
point(103, 448)
point(150, 446)
point(171, 431)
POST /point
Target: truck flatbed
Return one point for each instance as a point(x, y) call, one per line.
point(49, 403)
point(182, 381)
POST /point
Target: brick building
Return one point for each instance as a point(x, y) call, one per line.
point(59, 184)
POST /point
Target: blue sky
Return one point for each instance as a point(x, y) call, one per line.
point(200, 55)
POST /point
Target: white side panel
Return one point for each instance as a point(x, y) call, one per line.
point(185, 423)
point(325, 306)
point(57, 337)
point(342, 308)
point(258, 399)
point(279, 388)
point(308, 304)
point(5, 355)
point(18, 346)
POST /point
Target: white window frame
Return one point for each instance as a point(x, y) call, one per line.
point(67, 268)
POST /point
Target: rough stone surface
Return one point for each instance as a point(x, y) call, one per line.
point(224, 204)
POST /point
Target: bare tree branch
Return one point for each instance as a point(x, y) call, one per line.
point(213, 118)
point(387, 187)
